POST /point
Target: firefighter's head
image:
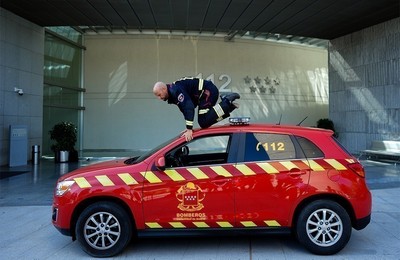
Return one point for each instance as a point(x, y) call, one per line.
point(160, 91)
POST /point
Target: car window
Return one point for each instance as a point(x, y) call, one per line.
point(309, 148)
point(207, 145)
point(263, 147)
point(138, 159)
point(206, 150)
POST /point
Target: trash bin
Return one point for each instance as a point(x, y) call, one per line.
point(64, 155)
point(35, 154)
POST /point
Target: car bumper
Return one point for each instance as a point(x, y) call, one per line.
point(362, 222)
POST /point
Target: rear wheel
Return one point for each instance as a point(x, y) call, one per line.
point(323, 227)
point(104, 229)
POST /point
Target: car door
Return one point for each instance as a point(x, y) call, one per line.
point(274, 174)
point(195, 189)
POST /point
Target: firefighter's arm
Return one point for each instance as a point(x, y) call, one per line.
point(187, 107)
point(189, 117)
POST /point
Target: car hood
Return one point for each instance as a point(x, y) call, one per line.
point(96, 168)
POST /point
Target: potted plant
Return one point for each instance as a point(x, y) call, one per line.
point(326, 123)
point(65, 136)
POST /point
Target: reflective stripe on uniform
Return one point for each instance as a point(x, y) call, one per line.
point(190, 123)
point(201, 82)
point(218, 109)
point(203, 111)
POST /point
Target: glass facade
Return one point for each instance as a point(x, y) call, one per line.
point(62, 90)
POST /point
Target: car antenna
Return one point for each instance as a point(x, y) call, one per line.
point(302, 121)
point(279, 120)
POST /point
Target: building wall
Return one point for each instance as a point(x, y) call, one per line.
point(21, 66)
point(120, 71)
point(364, 85)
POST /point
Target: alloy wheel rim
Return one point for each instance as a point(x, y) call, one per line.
point(102, 230)
point(324, 227)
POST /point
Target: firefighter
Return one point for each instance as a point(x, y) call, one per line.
point(188, 93)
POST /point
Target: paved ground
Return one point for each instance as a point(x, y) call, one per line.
point(27, 232)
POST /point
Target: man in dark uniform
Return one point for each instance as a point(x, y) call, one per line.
point(188, 93)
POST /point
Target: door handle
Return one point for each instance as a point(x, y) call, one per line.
point(222, 181)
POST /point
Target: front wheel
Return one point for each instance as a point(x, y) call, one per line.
point(323, 227)
point(104, 229)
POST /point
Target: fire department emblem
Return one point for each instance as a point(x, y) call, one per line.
point(190, 197)
point(181, 97)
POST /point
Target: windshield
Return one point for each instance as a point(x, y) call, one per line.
point(144, 156)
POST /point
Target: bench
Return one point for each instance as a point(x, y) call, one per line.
point(383, 149)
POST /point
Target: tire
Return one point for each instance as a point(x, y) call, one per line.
point(323, 227)
point(104, 229)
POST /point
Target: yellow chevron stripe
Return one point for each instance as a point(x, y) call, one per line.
point(335, 164)
point(221, 171)
point(153, 225)
point(82, 182)
point(197, 173)
point(224, 224)
point(350, 160)
point(127, 178)
point(245, 169)
point(272, 223)
point(313, 165)
point(151, 177)
point(104, 180)
point(177, 224)
point(248, 223)
point(289, 165)
point(174, 175)
point(201, 224)
point(268, 168)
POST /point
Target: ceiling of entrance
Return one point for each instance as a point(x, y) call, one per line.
point(323, 19)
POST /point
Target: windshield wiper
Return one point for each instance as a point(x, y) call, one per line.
point(131, 160)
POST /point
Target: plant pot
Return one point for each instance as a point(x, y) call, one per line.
point(64, 156)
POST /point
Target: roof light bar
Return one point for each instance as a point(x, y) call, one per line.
point(239, 120)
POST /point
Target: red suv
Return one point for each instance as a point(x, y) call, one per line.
point(237, 178)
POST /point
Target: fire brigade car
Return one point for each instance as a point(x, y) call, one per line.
point(232, 179)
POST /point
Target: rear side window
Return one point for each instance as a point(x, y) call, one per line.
point(309, 148)
point(264, 147)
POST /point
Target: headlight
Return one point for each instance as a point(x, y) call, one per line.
point(63, 187)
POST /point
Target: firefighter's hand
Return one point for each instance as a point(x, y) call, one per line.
point(188, 134)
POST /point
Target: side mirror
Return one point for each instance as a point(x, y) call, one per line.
point(160, 163)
